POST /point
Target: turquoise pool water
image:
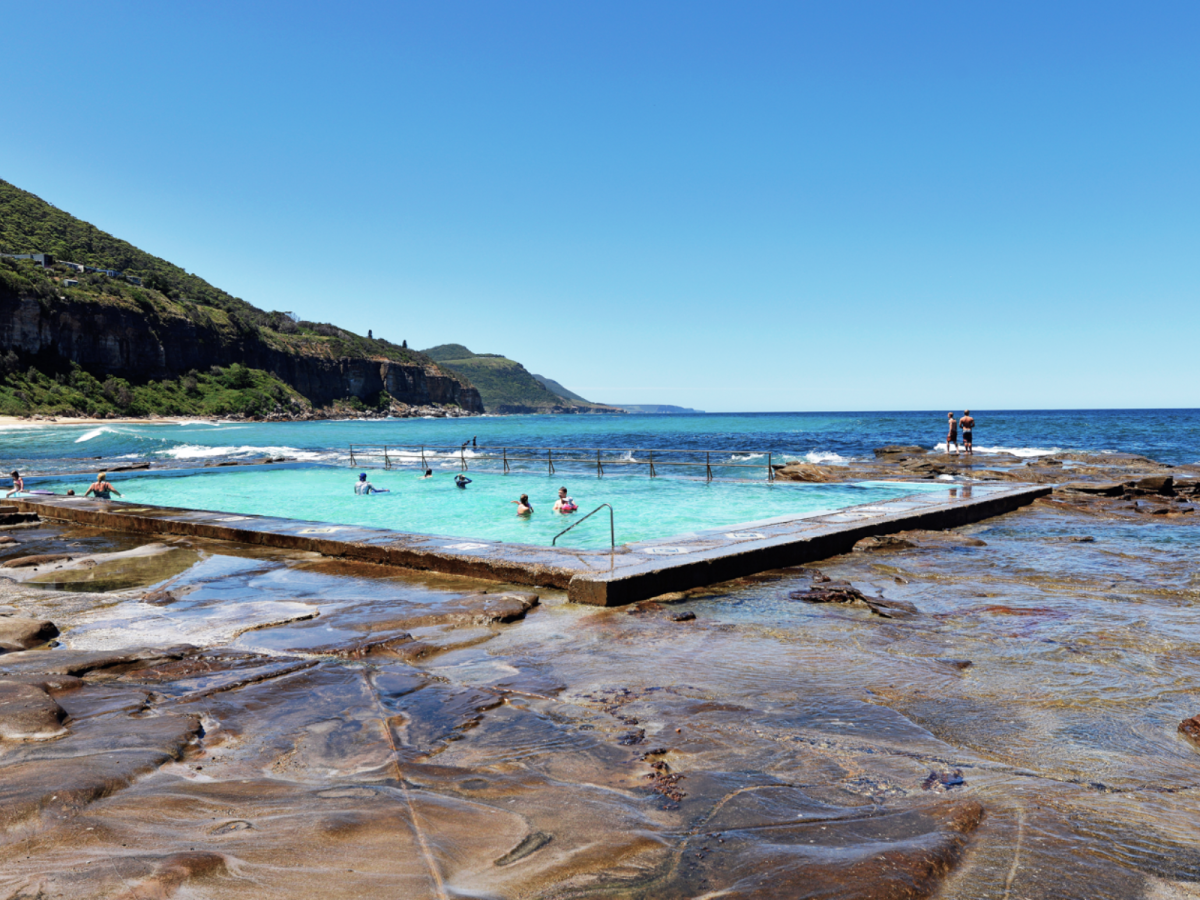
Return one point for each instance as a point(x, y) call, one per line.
point(645, 508)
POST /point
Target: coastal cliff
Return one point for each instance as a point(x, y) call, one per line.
point(92, 325)
point(151, 343)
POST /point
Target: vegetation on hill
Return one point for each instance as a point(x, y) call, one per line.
point(234, 390)
point(507, 386)
point(555, 388)
point(167, 295)
point(28, 224)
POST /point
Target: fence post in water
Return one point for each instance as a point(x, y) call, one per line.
point(352, 463)
point(708, 465)
point(462, 456)
point(599, 468)
point(652, 473)
point(504, 450)
point(550, 460)
point(423, 465)
point(387, 463)
point(770, 469)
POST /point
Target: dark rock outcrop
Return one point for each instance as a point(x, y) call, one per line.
point(896, 450)
point(142, 344)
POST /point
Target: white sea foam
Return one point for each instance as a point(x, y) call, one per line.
point(746, 457)
point(824, 456)
point(820, 457)
point(1023, 452)
point(199, 451)
point(94, 433)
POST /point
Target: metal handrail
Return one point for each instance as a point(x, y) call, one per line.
point(612, 531)
point(398, 452)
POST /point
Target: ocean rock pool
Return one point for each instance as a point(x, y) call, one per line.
point(645, 508)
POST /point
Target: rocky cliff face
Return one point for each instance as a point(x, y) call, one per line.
point(142, 344)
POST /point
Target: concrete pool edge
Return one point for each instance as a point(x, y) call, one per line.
point(632, 573)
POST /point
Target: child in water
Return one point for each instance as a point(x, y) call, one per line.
point(564, 504)
point(524, 508)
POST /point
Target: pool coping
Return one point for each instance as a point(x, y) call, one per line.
point(633, 572)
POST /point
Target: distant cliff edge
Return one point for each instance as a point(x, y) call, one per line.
point(508, 388)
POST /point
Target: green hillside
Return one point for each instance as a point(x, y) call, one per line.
point(28, 224)
point(555, 388)
point(507, 386)
point(170, 310)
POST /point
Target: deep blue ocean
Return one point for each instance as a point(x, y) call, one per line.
point(1171, 436)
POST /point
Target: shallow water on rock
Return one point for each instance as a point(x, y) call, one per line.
point(415, 735)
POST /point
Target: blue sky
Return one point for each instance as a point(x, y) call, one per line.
point(792, 206)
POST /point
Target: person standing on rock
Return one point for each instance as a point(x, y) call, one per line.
point(952, 434)
point(968, 426)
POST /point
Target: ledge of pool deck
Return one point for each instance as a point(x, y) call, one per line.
point(632, 572)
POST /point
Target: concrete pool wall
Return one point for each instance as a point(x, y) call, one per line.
point(632, 572)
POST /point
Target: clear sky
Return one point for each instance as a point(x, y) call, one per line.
point(731, 206)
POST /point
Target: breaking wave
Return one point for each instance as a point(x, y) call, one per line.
point(1023, 452)
point(94, 433)
point(198, 451)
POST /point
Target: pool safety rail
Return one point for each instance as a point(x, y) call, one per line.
point(612, 529)
point(391, 455)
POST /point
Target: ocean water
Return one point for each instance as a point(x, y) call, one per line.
point(1171, 436)
point(644, 508)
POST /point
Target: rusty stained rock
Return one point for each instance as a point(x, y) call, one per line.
point(1190, 728)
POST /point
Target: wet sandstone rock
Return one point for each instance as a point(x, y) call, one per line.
point(843, 593)
point(809, 472)
point(893, 855)
point(1153, 484)
point(175, 871)
point(896, 449)
point(159, 598)
point(18, 633)
point(29, 713)
point(22, 562)
point(1101, 488)
point(466, 610)
point(885, 542)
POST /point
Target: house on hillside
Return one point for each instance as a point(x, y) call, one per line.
point(42, 259)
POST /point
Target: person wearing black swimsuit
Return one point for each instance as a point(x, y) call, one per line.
point(968, 426)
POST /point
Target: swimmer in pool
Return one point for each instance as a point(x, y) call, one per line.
point(365, 487)
point(18, 484)
point(102, 488)
point(461, 481)
point(564, 504)
point(524, 507)
point(428, 474)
